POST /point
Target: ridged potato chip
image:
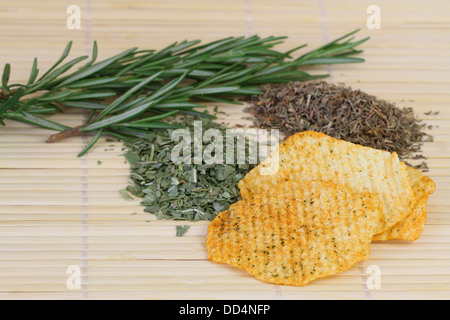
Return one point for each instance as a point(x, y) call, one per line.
point(298, 232)
point(411, 227)
point(309, 155)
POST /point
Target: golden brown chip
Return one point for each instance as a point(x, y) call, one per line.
point(309, 155)
point(411, 227)
point(299, 232)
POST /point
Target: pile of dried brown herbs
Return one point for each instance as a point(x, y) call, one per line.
point(343, 113)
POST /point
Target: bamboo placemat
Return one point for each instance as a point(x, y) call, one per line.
point(60, 213)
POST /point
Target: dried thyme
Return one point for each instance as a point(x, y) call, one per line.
point(343, 113)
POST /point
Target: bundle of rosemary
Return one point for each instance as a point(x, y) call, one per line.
point(128, 95)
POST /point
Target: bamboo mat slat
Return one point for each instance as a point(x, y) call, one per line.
point(59, 211)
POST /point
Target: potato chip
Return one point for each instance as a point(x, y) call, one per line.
point(299, 232)
point(411, 227)
point(309, 155)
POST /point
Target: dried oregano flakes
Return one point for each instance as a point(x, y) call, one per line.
point(181, 191)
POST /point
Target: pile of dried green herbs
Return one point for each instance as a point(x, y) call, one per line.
point(180, 191)
point(343, 113)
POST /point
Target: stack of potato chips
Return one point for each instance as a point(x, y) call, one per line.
point(315, 212)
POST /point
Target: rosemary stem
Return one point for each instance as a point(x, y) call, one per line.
point(64, 134)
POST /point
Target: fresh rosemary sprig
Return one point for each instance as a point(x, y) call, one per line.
point(129, 94)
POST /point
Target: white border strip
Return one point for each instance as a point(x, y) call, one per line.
point(249, 18)
point(326, 37)
point(323, 22)
point(84, 220)
point(277, 290)
point(362, 273)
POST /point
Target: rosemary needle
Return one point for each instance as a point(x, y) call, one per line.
point(147, 86)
